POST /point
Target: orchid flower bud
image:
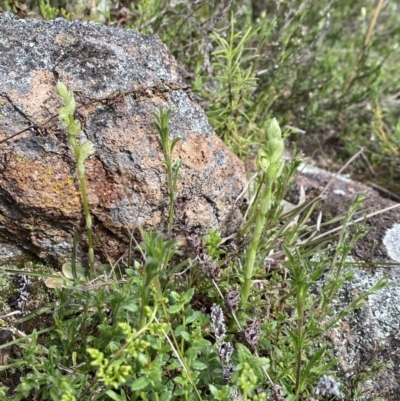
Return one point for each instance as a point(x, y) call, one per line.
point(275, 170)
point(275, 149)
point(263, 160)
point(87, 149)
point(67, 96)
point(74, 128)
point(62, 90)
point(274, 130)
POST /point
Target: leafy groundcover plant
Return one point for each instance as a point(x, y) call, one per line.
point(239, 319)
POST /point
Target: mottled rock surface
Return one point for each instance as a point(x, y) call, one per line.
point(367, 342)
point(120, 79)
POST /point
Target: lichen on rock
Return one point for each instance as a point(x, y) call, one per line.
point(391, 240)
point(120, 79)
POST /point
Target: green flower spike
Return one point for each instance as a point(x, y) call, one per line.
point(269, 160)
point(66, 116)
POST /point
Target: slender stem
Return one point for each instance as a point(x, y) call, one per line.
point(252, 252)
point(144, 300)
point(299, 350)
point(367, 40)
point(171, 192)
point(73, 259)
point(88, 219)
point(182, 339)
point(162, 121)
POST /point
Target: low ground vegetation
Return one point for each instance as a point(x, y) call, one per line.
point(241, 317)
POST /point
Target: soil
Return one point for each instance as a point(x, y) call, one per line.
point(329, 153)
point(337, 200)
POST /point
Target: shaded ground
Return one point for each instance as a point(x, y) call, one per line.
point(337, 200)
point(329, 153)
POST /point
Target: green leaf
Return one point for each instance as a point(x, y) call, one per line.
point(67, 271)
point(114, 396)
point(213, 390)
point(175, 296)
point(140, 383)
point(131, 306)
point(315, 360)
point(142, 359)
point(74, 128)
point(175, 308)
point(179, 329)
point(191, 353)
point(63, 116)
point(197, 365)
point(294, 336)
point(174, 142)
point(70, 104)
point(243, 352)
point(188, 295)
point(274, 130)
point(263, 160)
point(258, 362)
point(177, 166)
point(222, 394)
point(289, 254)
point(202, 342)
point(185, 335)
point(165, 395)
point(87, 149)
point(192, 317)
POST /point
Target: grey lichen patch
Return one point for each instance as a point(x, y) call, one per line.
point(383, 306)
point(10, 253)
point(7, 288)
point(82, 51)
point(187, 117)
point(22, 291)
point(365, 337)
point(391, 240)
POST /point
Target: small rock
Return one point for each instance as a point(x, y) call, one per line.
point(120, 79)
point(368, 337)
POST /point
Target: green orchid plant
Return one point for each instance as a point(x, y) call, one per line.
point(270, 162)
point(82, 152)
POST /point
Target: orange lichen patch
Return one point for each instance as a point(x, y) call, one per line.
point(101, 191)
point(194, 152)
point(41, 99)
point(124, 136)
point(44, 183)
